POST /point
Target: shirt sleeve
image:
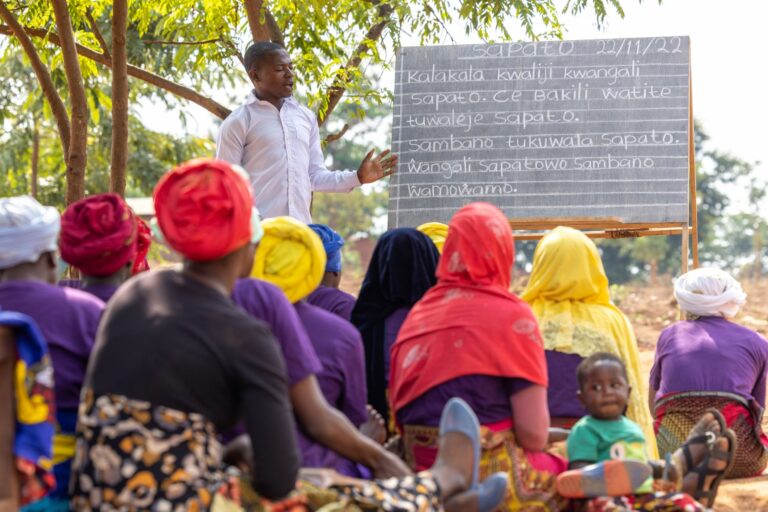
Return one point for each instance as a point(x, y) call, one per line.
point(354, 399)
point(264, 394)
point(322, 179)
point(231, 139)
point(582, 444)
point(655, 376)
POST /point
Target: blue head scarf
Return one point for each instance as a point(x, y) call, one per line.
point(332, 243)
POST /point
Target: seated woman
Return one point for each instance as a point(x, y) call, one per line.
point(402, 269)
point(568, 292)
point(470, 337)
point(328, 295)
point(708, 361)
point(177, 361)
point(436, 231)
point(103, 239)
point(291, 256)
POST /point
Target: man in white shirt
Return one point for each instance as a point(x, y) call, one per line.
point(277, 142)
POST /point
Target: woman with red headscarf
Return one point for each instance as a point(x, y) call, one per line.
point(103, 239)
point(470, 337)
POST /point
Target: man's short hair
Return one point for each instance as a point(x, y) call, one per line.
point(582, 371)
point(256, 53)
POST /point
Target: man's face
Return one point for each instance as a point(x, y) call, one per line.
point(273, 76)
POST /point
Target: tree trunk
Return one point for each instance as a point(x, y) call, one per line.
point(119, 97)
point(35, 157)
point(58, 109)
point(78, 141)
point(267, 31)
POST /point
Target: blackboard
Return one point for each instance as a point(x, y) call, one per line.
point(576, 129)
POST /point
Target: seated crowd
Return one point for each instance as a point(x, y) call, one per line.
point(244, 379)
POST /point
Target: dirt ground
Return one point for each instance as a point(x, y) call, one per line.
point(651, 309)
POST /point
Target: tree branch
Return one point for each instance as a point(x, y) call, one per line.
point(335, 136)
point(97, 33)
point(182, 43)
point(177, 89)
point(58, 109)
point(342, 79)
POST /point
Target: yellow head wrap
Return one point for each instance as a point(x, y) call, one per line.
point(568, 292)
point(290, 256)
point(436, 231)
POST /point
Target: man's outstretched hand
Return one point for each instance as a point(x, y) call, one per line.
point(374, 168)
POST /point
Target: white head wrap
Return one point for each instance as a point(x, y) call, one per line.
point(27, 230)
point(709, 292)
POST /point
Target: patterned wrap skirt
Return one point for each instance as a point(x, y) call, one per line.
point(532, 475)
point(131, 455)
point(677, 413)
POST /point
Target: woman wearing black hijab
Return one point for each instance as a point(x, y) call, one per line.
point(402, 269)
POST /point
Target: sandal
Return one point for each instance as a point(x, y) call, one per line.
point(609, 478)
point(706, 438)
point(703, 470)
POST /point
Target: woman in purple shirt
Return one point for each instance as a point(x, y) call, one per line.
point(328, 295)
point(708, 361)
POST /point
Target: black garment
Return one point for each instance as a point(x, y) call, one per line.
point(402, 269)
point(173, 341)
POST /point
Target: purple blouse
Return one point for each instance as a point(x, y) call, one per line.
point(488, 396)
point(102, 291)
point(392, 326)
point(267, 302)
point(334, 300)
point(563, 386)
point(711, 354)
point(68, 319)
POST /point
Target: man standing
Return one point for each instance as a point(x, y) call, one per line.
point(277, 142)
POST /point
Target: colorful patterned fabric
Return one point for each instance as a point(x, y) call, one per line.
point(99, 235)
point(131, 454)
point(568, 292)
point(532, 475)
point(653, 502)
point(143, 243)
point(290, 256)
point(204, 209)
point(470, 315)
point(677, 413)
point(33, 391)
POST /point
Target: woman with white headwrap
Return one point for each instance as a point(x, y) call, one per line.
point(708, 361)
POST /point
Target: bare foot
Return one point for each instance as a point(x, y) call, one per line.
point(454, 464)
point(711, 470)
point(375, 428)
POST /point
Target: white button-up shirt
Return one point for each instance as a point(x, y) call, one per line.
point(280, 151)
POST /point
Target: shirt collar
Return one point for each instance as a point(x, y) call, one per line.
point(252, 98)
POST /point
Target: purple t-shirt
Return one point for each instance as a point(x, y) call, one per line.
point(563, 386)
point(488, 396)
point(334, 300)
point(102, 291)
point(68, 319)
point(342, 379)
point(711, 354)
point(340, 349)
point(392, 326)
point(267, 302)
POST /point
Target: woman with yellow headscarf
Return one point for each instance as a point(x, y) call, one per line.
point(568, 292)
point(292, 257)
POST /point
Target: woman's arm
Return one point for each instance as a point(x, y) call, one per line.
point(531, 417)
point(332, 429)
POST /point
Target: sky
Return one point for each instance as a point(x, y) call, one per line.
point(729, 66)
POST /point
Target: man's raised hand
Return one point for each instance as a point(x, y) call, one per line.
point(375, 168)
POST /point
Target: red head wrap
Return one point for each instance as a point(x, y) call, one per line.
point(98, 235)
point(143, 242)
point(203, 208)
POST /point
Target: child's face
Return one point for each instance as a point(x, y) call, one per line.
point(606, 391)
